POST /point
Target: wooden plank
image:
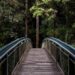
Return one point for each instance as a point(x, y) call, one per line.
point(37, 62)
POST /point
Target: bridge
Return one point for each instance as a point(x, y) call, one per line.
point(55, 57)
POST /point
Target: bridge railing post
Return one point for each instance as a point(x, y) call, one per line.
point(3, 67)
point(49, 47)
point(0, 69)
point(71, 67)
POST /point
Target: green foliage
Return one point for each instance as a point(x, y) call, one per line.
point(45, 1)
point(73, 45)
point(12, 13)
point(38, 9)
point(57, 18)
point(73, 26)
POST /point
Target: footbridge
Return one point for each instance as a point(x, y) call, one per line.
point(55, 57)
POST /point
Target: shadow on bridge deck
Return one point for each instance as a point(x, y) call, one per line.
point(37, 62)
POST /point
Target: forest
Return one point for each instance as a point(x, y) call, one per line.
point(56, 19)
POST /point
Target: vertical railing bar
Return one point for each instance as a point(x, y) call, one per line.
point(68, 64)
point(14, 58)
point(7, 64)
point(0, 69)
point(1, 62)
point(60, 57)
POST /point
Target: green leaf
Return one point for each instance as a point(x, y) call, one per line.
point(45, 1)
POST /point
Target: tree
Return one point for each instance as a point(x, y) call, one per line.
point(39, 9)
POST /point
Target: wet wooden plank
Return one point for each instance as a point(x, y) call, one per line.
point(37, 62)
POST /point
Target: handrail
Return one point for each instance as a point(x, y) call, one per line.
point(11, 54)
point(68, 48)
point(63, 54)
point(7, 48)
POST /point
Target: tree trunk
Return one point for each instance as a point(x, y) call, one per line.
point(37, 32)
point(26, 20)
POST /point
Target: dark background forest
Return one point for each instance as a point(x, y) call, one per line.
point(58, 20)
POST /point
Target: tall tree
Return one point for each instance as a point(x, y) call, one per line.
point(26, 18)
point(37, 29)
point(39, 9)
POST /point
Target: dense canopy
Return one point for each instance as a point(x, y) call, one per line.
point(57, 18)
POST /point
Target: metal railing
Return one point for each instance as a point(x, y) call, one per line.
point(11, 53)
point(63, 54)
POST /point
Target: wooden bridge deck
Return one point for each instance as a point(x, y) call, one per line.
point(37, 62)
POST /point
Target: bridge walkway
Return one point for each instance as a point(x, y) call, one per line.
point(37, 62)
